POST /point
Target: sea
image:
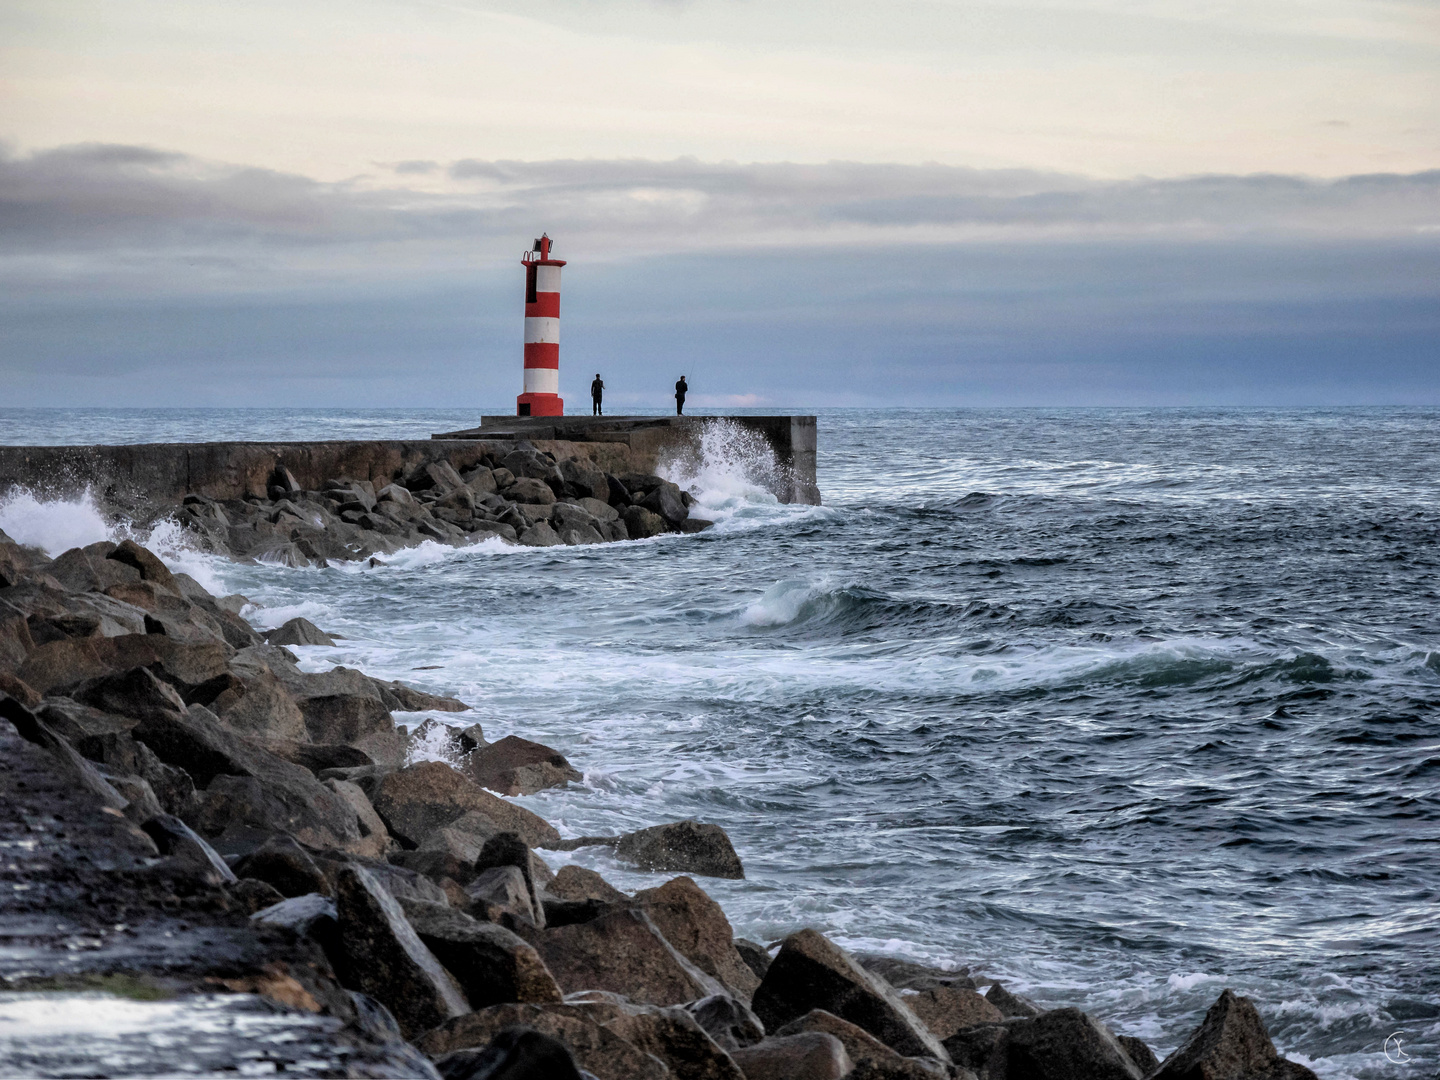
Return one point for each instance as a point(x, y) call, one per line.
point(1121, 707)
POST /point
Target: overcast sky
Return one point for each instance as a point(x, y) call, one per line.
point(796, 204)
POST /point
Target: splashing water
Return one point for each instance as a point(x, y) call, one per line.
point(54, 526)
point(734, 468)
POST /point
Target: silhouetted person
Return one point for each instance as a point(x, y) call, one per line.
point(597, 391)
point(680, 389)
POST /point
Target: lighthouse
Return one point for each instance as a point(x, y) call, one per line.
point(541, 396)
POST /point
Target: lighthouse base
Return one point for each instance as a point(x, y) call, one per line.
point(539, 405)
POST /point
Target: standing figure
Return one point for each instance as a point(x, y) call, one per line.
point(597, 390)
point(680, 389)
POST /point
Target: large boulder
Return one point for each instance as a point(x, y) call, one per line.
point(947, 1009)
point(516, 766)
point(641, 524)
point(670, 1034)
point(283, 863)
point(529, 492)
point(982, 1049)
point(343, 706)
point(1011, 1004)
point(665, 500)
point(860, 1044)
point(577, 883)
point(687, 847)
point(150, 567)
point(811, 1055)
point(696, 925)
point(491, 963)
point(1066, 1044)
point(584, 479)
point(596, 1049)
point(625, 953)
point(430, 795)
point(503, 889)
point(811, 972)
point(299, 631)
point(1231, 1043)
point(381, 955)
point(517, 1053)
point(728, 1021)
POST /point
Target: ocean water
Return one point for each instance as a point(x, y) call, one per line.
point(1121, 707)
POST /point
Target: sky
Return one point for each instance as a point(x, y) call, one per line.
point(796, 204)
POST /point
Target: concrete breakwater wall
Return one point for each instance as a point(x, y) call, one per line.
point(142, 477)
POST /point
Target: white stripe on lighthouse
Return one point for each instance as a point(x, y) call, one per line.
point(541, 330)
point(542, 380)
point(547, 279)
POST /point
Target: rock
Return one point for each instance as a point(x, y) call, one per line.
point(684, 846)
point(529, 492)
point(382, 956)
point(402, 698)
point(299, 631)
point(670, 1034)
point(755, 955)
point(507, 849)
point(641, 524)
point(812, 1055)
point(177, 840)
point(482, 481)
point(1011, 1004)
point(811, 972)
point(151, 568)
point(727, 1020)
point(859, 1043)
point(578, 883)
point(624, 952)
point(1067, 1044)
point(311, 916)
point(516, 766)
point(599, 509)
point(665, 501)
point(1231, 1043)
point(491, 964)
point(504, 887)
point(399, 882)
point(283, 863)
point(396, 494)
point(595, 1048)
point(252, 896)
point(417, 800)
point(375, 840)
point(907, 1069)
point(907, 975)
point(540, 535)
point(343, 706)
point(1140, 1053)
point(696, 525)
point(435, 475)
point(136, 790)
point(984, 1049)
point(579, 535)
point(70, 763)
point(319, 757)
point(464, 838)
point(259, 707)
point(947, 1009)
point(517, 1053)
point(696, 925)
point(526, 461)
point(584, 479)
point(136, 692)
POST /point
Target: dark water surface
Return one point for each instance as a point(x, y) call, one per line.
point(1122, 707)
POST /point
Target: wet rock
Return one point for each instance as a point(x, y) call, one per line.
point(343, 706)
point(176, 840)
point(540, 535)
point(579, 535)
point(516, 766)
point(66, 760)
point(1140, 1053)
point(402, 698)
point(136, 692)
point(1231, 1043)
point(623, 952)
point(258, 706)
point(283, 863)
point(755, 955)
point(947, 1009)
point(907, 975)
point(491, 964)
point(507, 849)
point(1066, 1044)
point(382, 956)
point(727, 1020)
point(1011, 1004)
point(696, 925)
point(251, 896)
point(503, 888)
point(375, 840)
point(434, 476)
point(641, 524)
point(136, 790)
point(811, 972)
point(584, 479)
point(670, 1034)
point(595, 1048)
point(682, 846)
point(319, 757)
point(517, 1053)
point(984, 1049)
point(401, 883)
point(695, 525)
point(577, 883)
point(298, 631)
point(313, 916)
point(417, 800)
point(860, 1044)
point(151, 568)
point(812, 1055)
point(463, 839)
point(665, 501)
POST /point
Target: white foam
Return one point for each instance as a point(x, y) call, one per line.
point(782, 603)
point(1182, 983)
point(54, 525)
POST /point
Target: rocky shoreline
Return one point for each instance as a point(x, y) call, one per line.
point(523, 496)
point(190, 817)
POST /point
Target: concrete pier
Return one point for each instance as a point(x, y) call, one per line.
point(145, 477)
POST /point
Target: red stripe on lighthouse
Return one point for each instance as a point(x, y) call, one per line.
point(546, 306)
point(539, 354)
point(541, 395)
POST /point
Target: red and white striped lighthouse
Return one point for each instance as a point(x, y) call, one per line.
point(542, 333)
